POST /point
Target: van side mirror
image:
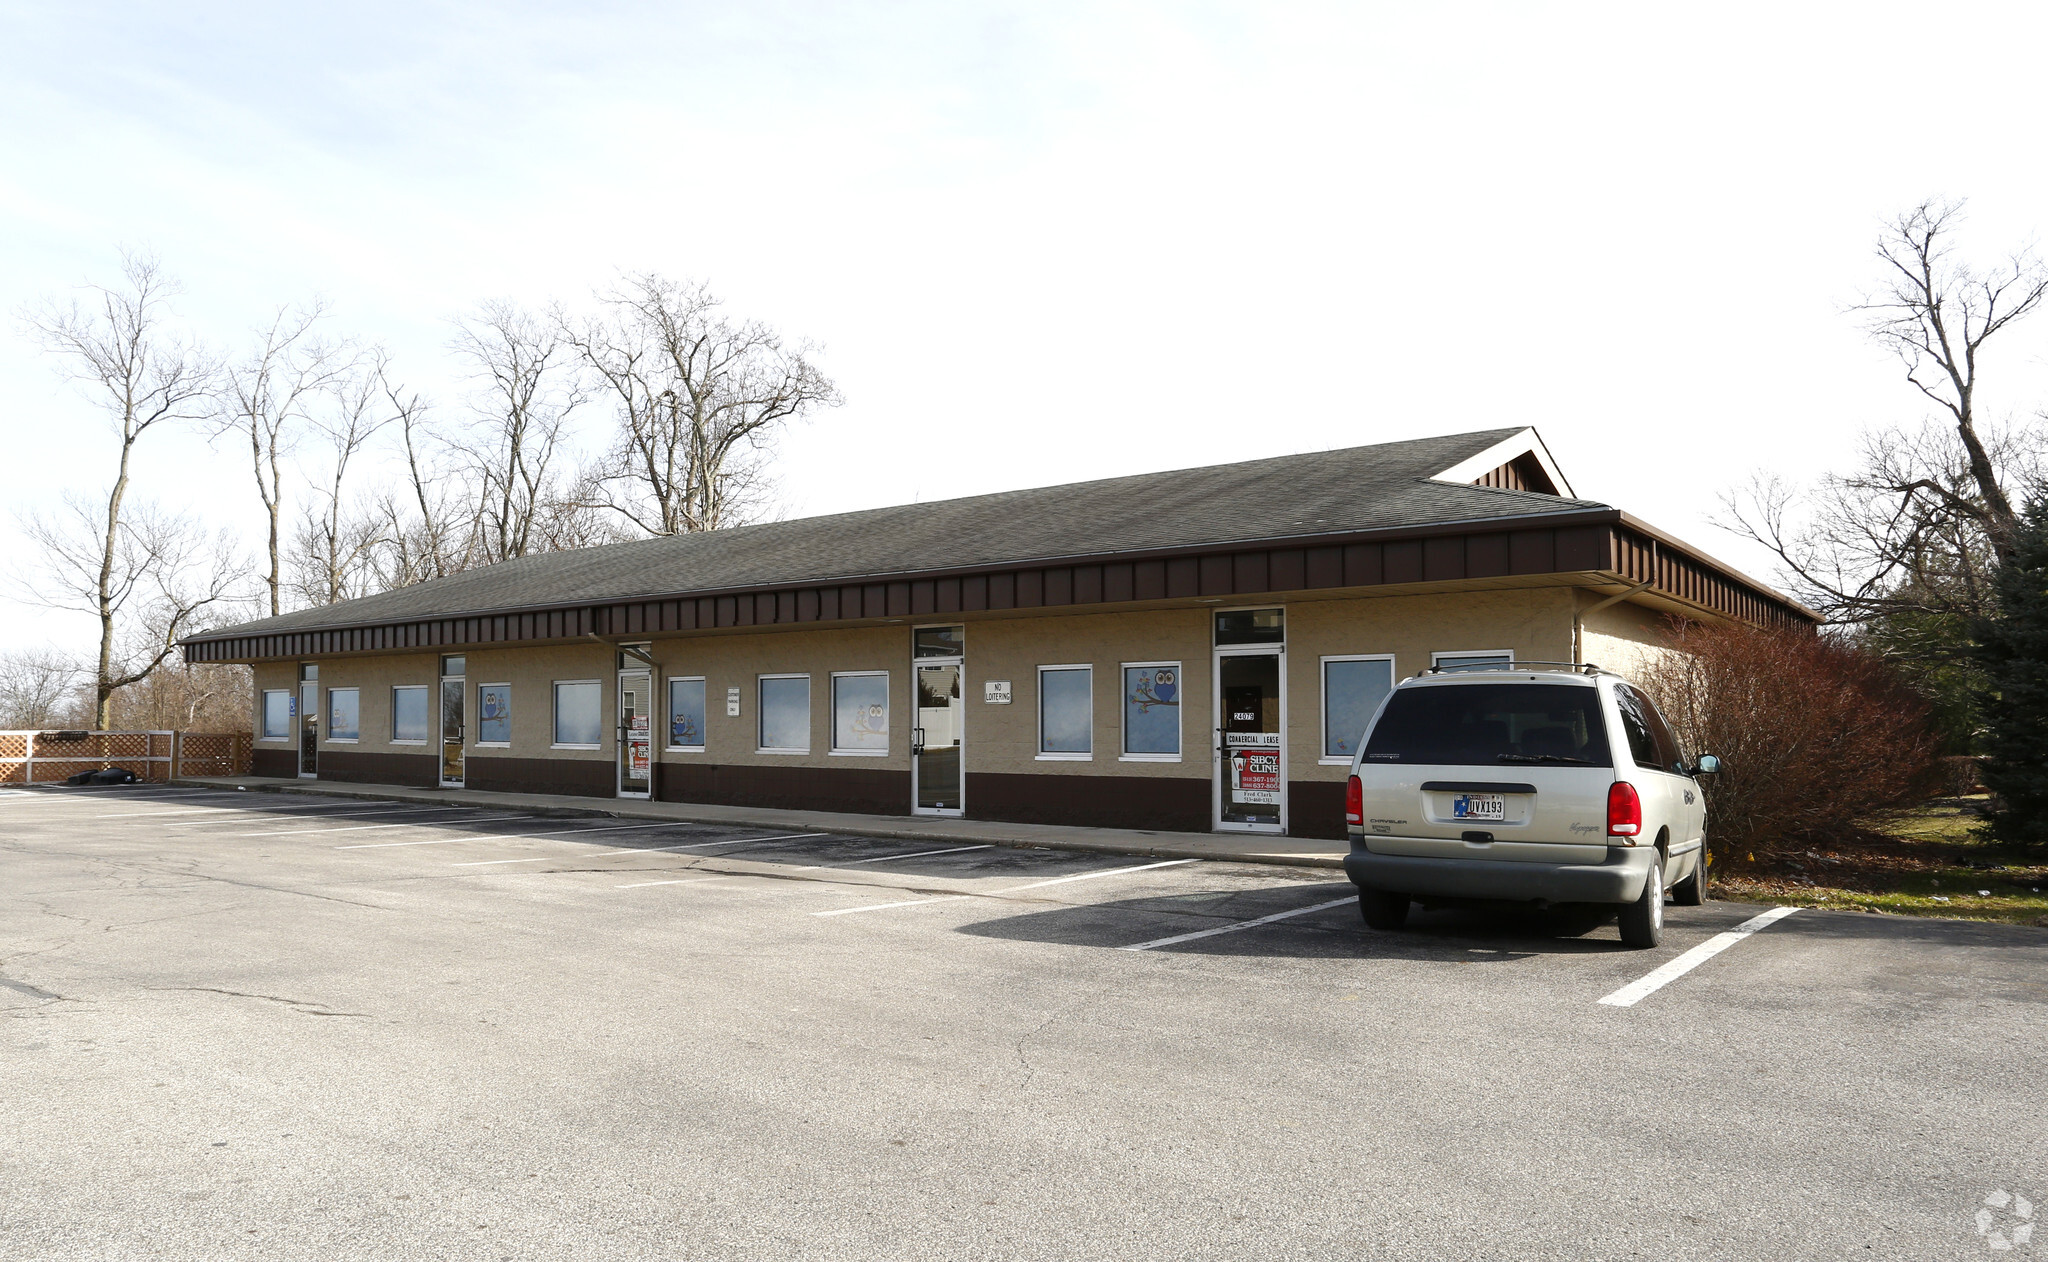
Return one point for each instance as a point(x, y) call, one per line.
point(1708, 765)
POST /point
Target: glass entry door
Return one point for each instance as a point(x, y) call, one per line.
point(453, 725)
point(935, 743)
point(309, 728)
point(1251, 772)
point(636, 734)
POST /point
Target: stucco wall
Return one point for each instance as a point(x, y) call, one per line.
point(1623, 638)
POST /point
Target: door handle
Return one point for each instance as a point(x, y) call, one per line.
point(916, 741)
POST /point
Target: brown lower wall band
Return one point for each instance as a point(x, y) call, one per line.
point(347, 766)
point(282, 764)
point(562, 777)
point(858, 789)
point(1315, 808)
point(1169, 804)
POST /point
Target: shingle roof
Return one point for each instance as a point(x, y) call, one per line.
point(1326, 492)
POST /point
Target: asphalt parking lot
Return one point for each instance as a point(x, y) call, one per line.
point(253, 1025)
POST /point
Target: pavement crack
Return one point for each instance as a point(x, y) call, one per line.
point(33, 992)
point(304, 1007)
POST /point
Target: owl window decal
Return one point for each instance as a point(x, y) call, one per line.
point(1152, 687)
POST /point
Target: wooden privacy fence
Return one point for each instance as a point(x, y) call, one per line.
point(50, 757)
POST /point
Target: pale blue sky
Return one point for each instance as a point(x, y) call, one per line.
point(1053, 241)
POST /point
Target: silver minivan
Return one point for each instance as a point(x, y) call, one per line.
point(1542, 784)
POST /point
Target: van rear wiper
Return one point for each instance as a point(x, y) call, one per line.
point(1575, 762)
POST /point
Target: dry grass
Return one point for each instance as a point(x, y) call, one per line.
point(1926, 861)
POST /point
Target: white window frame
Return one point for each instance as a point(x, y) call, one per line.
point(395, 690)
point(506, 744)
point(668, 714)
point(262, 732)
point(1043, 755)
point(555, 712)
point(761, 711)
point(1123, 714)
point(832, 703)
point(1323, 682)
point(1436, 659)
point(357, 739)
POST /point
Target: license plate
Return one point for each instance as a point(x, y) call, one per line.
point(1479, 806)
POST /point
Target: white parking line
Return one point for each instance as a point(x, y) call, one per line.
point(1242, 924)
point(848, 911)
point(559, 832)
point(1658, 978)
point(360, 828)
point(1089, 876)
point(386, 810)
point(915, 854)
point(688, 845)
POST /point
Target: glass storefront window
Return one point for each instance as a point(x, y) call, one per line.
point(277, 715)
point(860, 712)
point(1152, 697)
point(409, 713)
point(786, 713)
point(579, 713)
point(686, 714)
point(1066, 710)
point(1353, 688)
point(344, 711)
point(939, 642)
point(494, 714)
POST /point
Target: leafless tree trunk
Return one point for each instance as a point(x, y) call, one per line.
point(697, 394)
point(142, 376)
point(1920, 525)
point(528, 377)
point(266, 396)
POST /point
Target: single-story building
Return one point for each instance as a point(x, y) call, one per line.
point(1197, 649)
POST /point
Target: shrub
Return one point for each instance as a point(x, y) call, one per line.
point(1813, 734)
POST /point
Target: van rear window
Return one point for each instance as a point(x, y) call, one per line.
point(1490, 725)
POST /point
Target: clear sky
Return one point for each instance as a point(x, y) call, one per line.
point(1049, 241)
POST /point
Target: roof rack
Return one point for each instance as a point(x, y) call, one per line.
point(1576, 668)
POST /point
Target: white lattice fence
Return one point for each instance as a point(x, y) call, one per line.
point(48, 757)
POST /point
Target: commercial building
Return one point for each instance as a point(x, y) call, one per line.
point(1197, 649)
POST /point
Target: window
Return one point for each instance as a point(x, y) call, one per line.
point(860, 712)
point(494, 714)
point(1152, 711)
point(938, 642)
point(785, 714)
point(1487, 659)
point(1650, 742)
point(1251, 626)
point(344, 714)
point(579, 714)
point(454, 666)
point(1353, 688)
point(1492, 725)
point(686, 713)
point(409, 715)
point(309, 672)
point(277, 714)
point(1066, 711)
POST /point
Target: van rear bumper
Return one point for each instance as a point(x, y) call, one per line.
point(1617, 880)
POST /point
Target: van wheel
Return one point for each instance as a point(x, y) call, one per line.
point(1692, 891)
point(1642, 922)
point(1383, 909)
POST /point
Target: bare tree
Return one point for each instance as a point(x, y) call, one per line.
point(265, 397)
point(141, 375)
point(38, 689)
point(332, 556)
point(150, 579)
point(698, 395)
point(1918, 527)
point(189, 697)
point(528, 388)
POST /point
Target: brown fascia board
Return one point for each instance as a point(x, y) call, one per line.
point(1566, 518)
point(1672, 541)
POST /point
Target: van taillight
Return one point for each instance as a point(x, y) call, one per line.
point(1624, 810)
point(1354, 803)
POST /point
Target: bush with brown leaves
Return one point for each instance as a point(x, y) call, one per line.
point(1813, 734)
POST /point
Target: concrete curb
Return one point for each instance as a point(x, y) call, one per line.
point(1217, 848)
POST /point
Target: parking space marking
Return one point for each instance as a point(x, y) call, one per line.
point(445, 841)
point(215, 810)
point(1089, 876)
point(1655, 980)
point(915, 854)
point(848, 911)
point(1242, 924)
point(358, 828)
